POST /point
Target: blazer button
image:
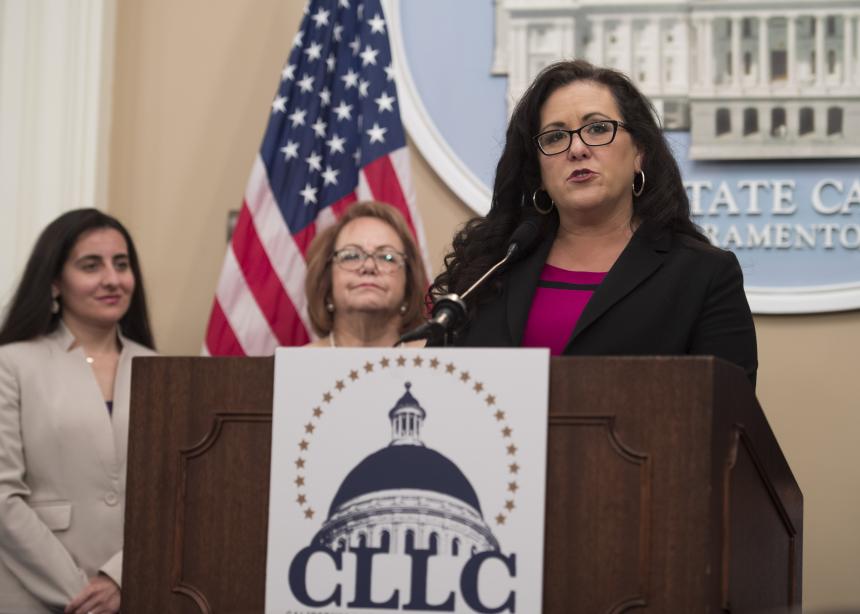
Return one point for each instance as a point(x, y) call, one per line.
point(111, 498)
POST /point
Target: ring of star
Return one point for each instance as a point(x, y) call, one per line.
point(400, 361)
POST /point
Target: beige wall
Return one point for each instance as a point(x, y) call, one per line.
point(194, 79)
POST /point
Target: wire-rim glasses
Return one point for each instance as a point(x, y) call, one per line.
point(352, 258)
point(594, 134)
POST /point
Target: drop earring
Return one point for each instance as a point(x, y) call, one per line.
point(641, 185)
point(545, 211)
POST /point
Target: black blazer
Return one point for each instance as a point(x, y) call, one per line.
point(667, 294)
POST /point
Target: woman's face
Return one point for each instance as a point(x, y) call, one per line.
point(368, 289)
point(588, 182)
point(96, 284)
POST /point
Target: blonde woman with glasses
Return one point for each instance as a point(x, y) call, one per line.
point(365, 281)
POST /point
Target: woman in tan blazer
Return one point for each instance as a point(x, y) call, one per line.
point(76, 321)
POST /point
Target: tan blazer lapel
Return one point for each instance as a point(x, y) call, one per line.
point(121, 393)
point(91, 403)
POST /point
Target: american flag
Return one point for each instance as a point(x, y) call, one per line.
point(334, 137)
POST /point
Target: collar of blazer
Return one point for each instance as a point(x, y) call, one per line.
point(643, 255)
point(64, 338)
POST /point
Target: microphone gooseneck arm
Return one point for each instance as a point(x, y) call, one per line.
point(450, 309)
point(511, 249)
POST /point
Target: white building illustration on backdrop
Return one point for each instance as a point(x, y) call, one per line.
point(407, 496)
point(749, 79)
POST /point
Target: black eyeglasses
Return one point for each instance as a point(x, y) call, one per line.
point(352, 258)
point(558, 140)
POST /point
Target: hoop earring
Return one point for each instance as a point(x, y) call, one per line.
point(641, 186)
point(546, 211)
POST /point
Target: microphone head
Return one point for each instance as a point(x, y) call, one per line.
point(524, 237)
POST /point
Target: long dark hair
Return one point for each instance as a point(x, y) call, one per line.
point(30, 316)
point(663, 203)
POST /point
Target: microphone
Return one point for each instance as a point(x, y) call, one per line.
point(450, 309)
point(522, 239)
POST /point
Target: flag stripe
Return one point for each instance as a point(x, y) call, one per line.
point(343, 204)
point(304, 237)
point(220, 334)
point(400, 162)
point(362, 190)
point(384, 186)
point(263, 281)
point(279, 244)
point(242, 312)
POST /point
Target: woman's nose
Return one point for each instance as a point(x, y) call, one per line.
point(372, 267)
point(577, 148)
point(110, 277)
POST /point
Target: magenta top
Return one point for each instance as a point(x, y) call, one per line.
point(560, 299)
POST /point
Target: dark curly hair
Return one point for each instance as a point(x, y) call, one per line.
point(29, 314)
point(482, 241)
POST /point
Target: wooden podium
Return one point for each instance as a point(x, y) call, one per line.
point(666, 490)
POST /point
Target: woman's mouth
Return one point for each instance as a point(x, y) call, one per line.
point(581, 175)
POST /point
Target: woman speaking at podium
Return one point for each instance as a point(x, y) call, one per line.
point(75, 322)
point(618, 267)
point(365, 282)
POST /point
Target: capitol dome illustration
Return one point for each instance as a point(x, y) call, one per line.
point(407, 496)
